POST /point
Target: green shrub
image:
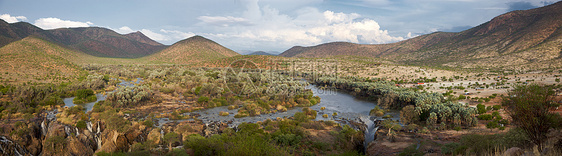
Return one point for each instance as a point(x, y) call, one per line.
point(377, 111)
point(497, 107)
point(91, 98)
point(167, 90)
point(485, 117)
point(287, 139)
point(81, 124)
point(148, 122)
point(203, 99)
point(449, 148)
point(83, 93)
point(481, 108)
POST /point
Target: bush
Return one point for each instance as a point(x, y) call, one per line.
point(301, 117)
point(167, 90)
point(223, 113)
point(497, 107)
point(148, 122)
point(481, 108)
point(377, 111)
point(449, 148)
point(81, 124)
point(83, 93)
point(203, 99)
point(485, 117)
point(287, 139)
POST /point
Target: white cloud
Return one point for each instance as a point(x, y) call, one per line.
point(272, 29)
point(12, 19)
point(223, 21)
point(154, 36)
point(124, 30)
point(167, 35)
point(177, 35)
point(53, 23)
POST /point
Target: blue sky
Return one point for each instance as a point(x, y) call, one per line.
point(268, 25)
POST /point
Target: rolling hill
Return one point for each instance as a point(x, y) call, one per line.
point(523, 38)
point(191, 50)
point(38, 60)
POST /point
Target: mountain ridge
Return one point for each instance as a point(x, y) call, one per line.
point(96, 41)
point(514, 38)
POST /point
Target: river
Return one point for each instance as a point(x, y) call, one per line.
point(345, 105)
point(89, 106)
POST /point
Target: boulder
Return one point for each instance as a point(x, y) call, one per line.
point(154, 136)
point(108, 141)
point(77, 147)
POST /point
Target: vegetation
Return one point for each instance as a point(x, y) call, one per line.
point(429, 108)
point(529, 108)
point(84, 96)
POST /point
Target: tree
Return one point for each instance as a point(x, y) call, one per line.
point(408, 115)
point(391, 125)
point(528, 106)
point(171, 138)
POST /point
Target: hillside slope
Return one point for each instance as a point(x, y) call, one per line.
point(191, 50)
point(34, 59)
point(523, 38)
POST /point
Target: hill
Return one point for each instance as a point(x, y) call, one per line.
point(95, 41)
point(531, 38)
point(36, 60)
point(191, 50)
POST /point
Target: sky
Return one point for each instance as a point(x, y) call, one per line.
point(266, 25)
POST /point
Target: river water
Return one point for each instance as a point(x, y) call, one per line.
point(89, 106)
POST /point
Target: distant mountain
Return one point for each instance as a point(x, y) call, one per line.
point(140, 37)
point(260, 53)
point(529, 37)
point(95, 41)
point(35, 59)
point(104, 42)
point(191, 50)
point(248, 52)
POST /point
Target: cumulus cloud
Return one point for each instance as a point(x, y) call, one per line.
point(53, 23)
point(177, 35)
point(310, 26)
point(124, 30)
point(154, 35)
point(12, 19)
point(520, 6)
